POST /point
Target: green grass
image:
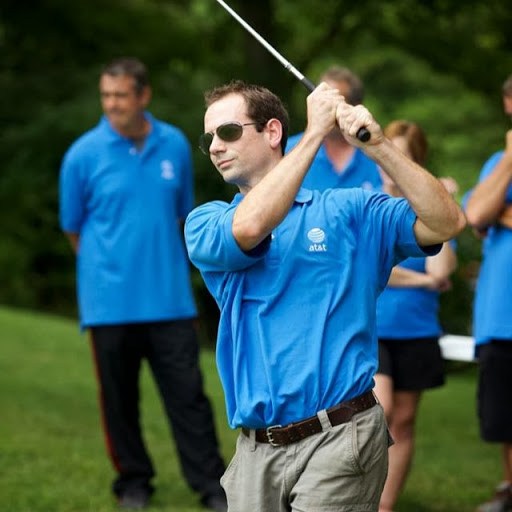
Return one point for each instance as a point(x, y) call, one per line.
point(52, 456)
point(453, 469)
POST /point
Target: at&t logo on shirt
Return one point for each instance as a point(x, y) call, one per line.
point(317, 236)
point(167, 170)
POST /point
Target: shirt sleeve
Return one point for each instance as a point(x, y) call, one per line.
point(210, 242)
point(71, 194)
point(387, 229)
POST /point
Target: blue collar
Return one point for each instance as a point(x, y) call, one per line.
point(112, 135)
point(303, 196)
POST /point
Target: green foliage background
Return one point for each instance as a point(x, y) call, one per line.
point(435, 62)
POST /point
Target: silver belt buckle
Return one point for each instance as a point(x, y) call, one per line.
point(269, 435)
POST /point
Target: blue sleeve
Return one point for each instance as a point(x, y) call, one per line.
point(387, 226)
point(393, 220)
point(210, 242)
point(71, 193)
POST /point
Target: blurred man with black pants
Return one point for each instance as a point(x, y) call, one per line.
point(489, 211)
point(125, 186)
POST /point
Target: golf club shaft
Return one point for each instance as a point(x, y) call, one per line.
point(362, 134)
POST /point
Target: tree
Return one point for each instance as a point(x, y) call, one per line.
point(422, 60)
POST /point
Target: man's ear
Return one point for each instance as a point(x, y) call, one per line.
point(145, 96)
point(274, 131)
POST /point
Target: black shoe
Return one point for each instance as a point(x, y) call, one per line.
point(136, 498)
point(216, 502)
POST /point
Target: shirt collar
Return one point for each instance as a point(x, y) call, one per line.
point(303, 196)
point(111, 135)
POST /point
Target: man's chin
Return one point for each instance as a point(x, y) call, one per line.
point(117, 122)
point(230, 179)
point(117, 126)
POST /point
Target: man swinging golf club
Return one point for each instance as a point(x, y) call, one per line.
point(296, 275)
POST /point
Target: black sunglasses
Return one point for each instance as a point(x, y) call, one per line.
point(228, 132)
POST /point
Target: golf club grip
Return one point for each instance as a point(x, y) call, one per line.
point(362, 134)
point(308, 84)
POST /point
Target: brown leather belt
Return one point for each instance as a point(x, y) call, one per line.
point(278, 435)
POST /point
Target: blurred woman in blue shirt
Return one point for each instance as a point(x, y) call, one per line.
point(408, 328)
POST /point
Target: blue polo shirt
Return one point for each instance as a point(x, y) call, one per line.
point(492, 318)
point(361, 171)
point(408, 312)
point(404, 313)
point(125, 205)
point(297, 323)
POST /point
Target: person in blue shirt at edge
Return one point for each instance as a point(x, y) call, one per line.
point(296, 274)
point(337, 163)
point(489, 211)
point(408, 328)
point(124, 186)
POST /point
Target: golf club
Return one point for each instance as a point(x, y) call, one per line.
point(362, 134)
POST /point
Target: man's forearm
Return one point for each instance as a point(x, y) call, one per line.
point(406, 278)
point(487, 199)
point(267, 204)
point(439, 216)
point(443, 264)
point(505, 219)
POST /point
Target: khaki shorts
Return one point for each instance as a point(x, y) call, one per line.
point(340, 469)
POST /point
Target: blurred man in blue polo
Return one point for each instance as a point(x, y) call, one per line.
point(337, 163)
point(124, 187)
point(489, 210)
point(296, 274)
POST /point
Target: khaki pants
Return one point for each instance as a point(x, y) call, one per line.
point(340, 469)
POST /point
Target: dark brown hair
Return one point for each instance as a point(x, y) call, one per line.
point(128, 66)
point(262, 104)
